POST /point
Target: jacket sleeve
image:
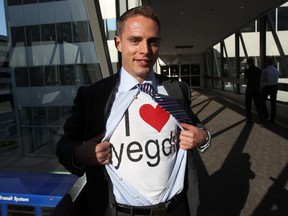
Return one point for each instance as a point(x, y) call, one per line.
point(73, 135)
point(187, 97)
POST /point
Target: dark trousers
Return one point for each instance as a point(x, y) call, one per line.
point(269, 90)
point(256, 97)
point(180, 209)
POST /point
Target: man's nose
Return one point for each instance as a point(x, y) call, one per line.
point(144, 47)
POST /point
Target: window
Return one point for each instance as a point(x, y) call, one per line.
point(81, 32)
point(36, 76)
point(250, 27)
point(48, 33)
point(272, 15)
point(111, 27)
point(30, 1)
point(51, 76)
point(195, 69)
point(282, 18)
point(39, 116)
point(14, 2)
point(54, 116)
point(40, 1)
point(21, 77)
point(174, 70)
point(18, 36)
point(66, 112)
point(32, 34)
point(165, 70)
point(64, 32)
point(67, 75)
point(185, 69)
point(25, 114)
point(85, 73)
point(42, 139)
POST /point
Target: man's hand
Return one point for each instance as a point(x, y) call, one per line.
point(93, 152)
point(191, 137)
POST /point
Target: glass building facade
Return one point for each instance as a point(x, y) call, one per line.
point(52, 54)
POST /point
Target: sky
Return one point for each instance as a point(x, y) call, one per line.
point(3, 30)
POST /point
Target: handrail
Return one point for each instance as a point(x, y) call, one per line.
point(281, 86)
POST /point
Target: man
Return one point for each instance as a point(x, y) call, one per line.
point(136, 159)
point(270, 76)
point(252, 77)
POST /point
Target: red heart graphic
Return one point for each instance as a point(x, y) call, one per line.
point(156, 117)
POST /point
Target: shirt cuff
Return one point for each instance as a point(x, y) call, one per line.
point(207, 142)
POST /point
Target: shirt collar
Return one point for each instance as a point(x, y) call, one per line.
point(127, 81)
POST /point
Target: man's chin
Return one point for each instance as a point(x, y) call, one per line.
point(144, 73)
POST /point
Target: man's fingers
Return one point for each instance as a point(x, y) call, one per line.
point(103, 152)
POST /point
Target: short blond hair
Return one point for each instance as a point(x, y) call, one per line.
point(145, 11)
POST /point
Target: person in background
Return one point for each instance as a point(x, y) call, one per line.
point(270, 76)
point(252, 77)
point(138, 159)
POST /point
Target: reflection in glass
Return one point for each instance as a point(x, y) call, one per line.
point(21, 77)
point(29, 1)
point(67, 75)
point(36, 76)
point(66, 112)
point(27, 140)
point(17, 36)
point(81, 32)
point(282, 18)
point(33, 35)
point(48, 33)
point(51, 76)
point(250, 27)
point(14, 2)
point(39, 116)
point(64, 32)
point(42, 140)
point(54, 116)
point(25, 115)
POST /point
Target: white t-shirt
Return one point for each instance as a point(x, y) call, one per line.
point(146, 154)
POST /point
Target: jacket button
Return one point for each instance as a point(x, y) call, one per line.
point(112, 205)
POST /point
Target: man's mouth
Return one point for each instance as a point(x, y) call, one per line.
point(143, 62)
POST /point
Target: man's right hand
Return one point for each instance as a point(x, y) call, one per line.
point(93, 152)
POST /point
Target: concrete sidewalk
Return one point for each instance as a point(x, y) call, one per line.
point(245, 170)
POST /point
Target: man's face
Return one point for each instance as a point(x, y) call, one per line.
point(139, 45)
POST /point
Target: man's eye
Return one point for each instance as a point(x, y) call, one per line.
point(134, 41)
point(154, 43)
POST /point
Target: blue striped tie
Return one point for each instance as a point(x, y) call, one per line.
point(167, 103)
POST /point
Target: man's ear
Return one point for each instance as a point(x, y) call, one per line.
point(117, 42)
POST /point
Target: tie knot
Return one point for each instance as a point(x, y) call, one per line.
point(147, 88)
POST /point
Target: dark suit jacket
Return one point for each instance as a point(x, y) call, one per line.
point(89, 115)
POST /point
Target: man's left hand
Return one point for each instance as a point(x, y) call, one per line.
point(191, 136)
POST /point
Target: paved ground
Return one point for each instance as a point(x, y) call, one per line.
point(243, 173)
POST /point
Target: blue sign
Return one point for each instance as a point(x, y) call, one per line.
point(34, 189)
point(28, 199)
